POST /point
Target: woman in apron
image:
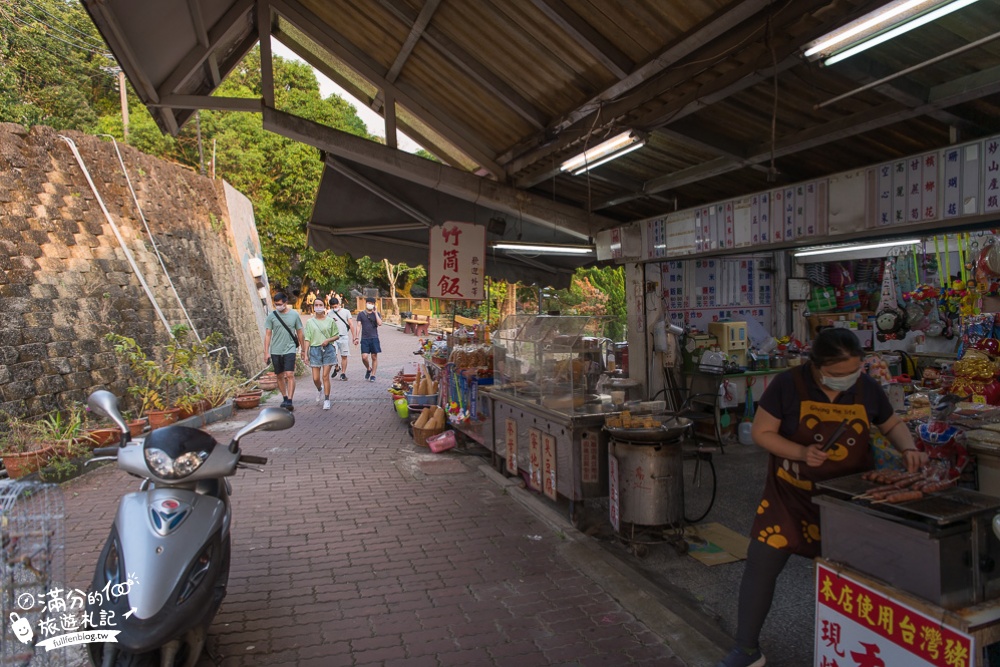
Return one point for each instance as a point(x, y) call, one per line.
point(797, 414)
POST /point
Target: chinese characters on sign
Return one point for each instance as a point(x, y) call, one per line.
point(511, 436)
point(457, 264)
point(856, 626)
point(535, 458)
point(549, 465)
point(67, 617)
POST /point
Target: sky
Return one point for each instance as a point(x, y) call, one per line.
point(375, 123)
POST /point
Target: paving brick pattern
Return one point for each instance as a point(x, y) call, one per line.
point(347, 552)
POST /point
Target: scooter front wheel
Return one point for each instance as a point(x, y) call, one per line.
point(117, 658)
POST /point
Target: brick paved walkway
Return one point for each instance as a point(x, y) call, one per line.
point(354, 547)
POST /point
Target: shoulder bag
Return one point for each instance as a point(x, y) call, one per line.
point(294, 337)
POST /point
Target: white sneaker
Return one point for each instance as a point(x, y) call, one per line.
point(326, 404)
point(319, 397)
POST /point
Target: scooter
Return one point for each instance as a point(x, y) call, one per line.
point(164, 569)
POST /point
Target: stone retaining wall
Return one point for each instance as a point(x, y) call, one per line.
point(65, 281)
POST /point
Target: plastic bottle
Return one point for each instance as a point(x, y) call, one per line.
point(744, 433)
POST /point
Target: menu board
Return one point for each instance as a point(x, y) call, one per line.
point(939, 185)
point(699, 291)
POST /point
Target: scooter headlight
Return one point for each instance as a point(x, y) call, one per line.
point(175, 452)
point(166, 467)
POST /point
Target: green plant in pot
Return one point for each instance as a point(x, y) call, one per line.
point(62, 430)
point(157, 385)
point(21, 450)
point(98, 432)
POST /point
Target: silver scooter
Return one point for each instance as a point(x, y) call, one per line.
point(163, 571)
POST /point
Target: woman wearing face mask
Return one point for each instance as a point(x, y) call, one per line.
point(797, 414)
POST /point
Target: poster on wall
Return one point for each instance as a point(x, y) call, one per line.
point(699, 291)
point(457, 263)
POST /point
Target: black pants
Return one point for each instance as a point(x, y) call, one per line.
point(764, 564)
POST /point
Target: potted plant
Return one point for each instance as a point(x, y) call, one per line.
point(268, 381)
point(20, 449)
point(156, 385)
point(62, 431)
point(97, 433)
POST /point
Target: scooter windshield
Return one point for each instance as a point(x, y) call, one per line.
point(175, 452)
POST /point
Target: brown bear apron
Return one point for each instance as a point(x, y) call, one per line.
point(786, 517)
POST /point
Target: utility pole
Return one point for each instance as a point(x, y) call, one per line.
point(124, 98)
point(213, 158)
point(201, 153)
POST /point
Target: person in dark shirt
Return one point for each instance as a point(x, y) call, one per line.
point(798, 412)
point(368, 323)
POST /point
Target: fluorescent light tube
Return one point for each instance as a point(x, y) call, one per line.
point(542, 248)
point(865, 25)
point(614, 156)
point(599, 151)
point(898, 30)
point(850, 248)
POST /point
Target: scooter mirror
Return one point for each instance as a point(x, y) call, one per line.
point(269, 419)
point(105, 403)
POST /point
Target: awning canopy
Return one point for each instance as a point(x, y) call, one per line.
point(361, 211)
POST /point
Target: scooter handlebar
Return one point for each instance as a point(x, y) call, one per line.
point(106, 451)
point(256, 460)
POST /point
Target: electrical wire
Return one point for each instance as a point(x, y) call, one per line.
point(22, 23)
point(97, 42)
point(38, 21)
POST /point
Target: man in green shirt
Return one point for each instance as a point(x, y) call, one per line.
point(321, 334)
point(282, 334)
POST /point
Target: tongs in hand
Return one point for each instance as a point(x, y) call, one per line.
point(832, 440)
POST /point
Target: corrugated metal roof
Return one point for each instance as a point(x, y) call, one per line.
point(511, 88)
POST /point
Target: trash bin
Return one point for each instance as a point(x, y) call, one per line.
point(650, 482)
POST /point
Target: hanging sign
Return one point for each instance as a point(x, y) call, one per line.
point(535, 458)
point(511, 438)
point(858, 625)
point(457, 265)
point(549, 466)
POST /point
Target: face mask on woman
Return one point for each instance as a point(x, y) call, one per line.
point(841, 383)
point(319, 310)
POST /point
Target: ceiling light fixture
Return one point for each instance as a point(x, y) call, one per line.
point(888, 22)
point(807, 252)
point(615, 147)
point(542, 248)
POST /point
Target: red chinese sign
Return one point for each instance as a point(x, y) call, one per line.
point(457, 264)
point(856, 626)
point(511, 438)
point(535, 458)
point(549, 466)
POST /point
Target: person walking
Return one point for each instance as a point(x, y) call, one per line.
point(368, 324)
point(310, 298)
point(345, 323)
point(798, 412)
point(321, 337)
point(283, 333)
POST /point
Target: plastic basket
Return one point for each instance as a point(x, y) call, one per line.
point(420, 435)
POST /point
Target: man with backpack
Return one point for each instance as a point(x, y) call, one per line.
point(280, 343)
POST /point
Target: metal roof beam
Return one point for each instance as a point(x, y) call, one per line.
point(710, 30)
point(194, 9)
point(584, 34)
point(442, 153)
point(455, 182)
point(197, 56)
point(959, 91)
point(416, 30)
point(251, 104)
point(469, 64)
point(863, 70)
point(264, 18)
point(327, 37)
